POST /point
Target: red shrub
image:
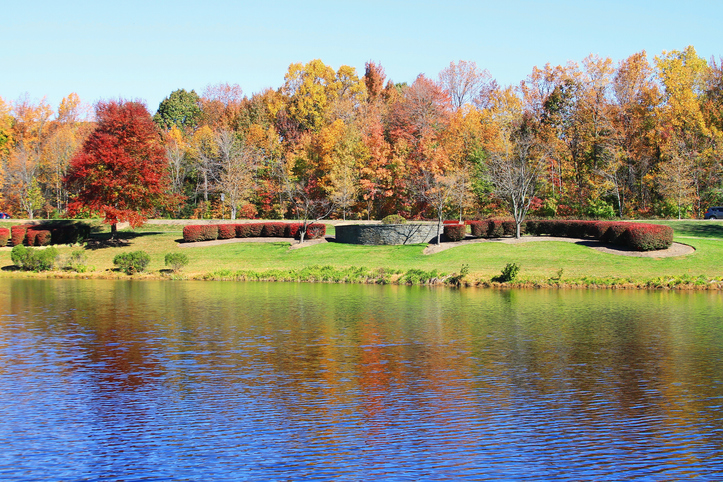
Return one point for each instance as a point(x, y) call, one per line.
point(579, 229)
point(242, 230)
point(292, 230)
point(43, 238)
point(598, 229)
point(191, 233)
point(17, 235)
point(649, 237)
point(479, 229)
point(209, 232)
point(30, 236)
point(203, 232)
point(617, 233)
point(249, 230)
point(4, 236)
point(495, 228)
point(226, 231)
point(273, 230)
point(509, 227)
point(37, 237)
point(451, 221)
point(313, 231)
point(455, 232)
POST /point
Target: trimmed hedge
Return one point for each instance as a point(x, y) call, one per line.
point(48, 232)
point(478, 228)
point(200, 232)
point(4, 236)
point(274, 229)
point(313, 231)
point(226, 231)
point(17, 235)
point(649, 237)
point(455, 232)
point(638, 236)
point(38, 237)
point(251, 230)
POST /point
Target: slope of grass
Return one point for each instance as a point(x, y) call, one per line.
point(539, 261)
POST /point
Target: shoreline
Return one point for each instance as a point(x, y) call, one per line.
point(453, 281)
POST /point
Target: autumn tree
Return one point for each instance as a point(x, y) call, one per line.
point(515, 169)
point(221, 105)
point(120, 172)
point(177, 156)
point(463, 81)
point(635, 97)
point(29, 134)
point(238, 162)
point(683, 75)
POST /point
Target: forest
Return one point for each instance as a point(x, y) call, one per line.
point(639, 138)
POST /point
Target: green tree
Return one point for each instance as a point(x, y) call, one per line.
point(181, 109)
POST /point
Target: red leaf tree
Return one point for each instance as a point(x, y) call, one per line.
point(121, 170)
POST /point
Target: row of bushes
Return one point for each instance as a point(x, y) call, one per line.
point(43, 234)
point(209, 232)
point(638, 236)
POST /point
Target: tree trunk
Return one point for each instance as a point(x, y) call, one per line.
point(113, 230)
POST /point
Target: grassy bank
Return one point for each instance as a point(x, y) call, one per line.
point(546, 263)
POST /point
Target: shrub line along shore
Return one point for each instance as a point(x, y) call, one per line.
point(465, 263)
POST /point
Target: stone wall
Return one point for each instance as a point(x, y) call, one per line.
point(384, 234)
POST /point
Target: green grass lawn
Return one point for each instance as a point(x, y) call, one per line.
point(539, 261)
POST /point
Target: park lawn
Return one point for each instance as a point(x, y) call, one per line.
point(539, 261)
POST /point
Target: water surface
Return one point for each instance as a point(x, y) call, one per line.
point(115, 380)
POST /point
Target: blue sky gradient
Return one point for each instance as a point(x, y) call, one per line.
point(146, 49)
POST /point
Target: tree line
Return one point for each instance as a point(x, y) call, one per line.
point(595, 139)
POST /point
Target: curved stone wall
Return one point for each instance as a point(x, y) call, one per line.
point(385, 234)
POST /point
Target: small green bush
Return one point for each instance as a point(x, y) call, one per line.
point(176, 261)
point(133, 262)
point(509, 273)
point(29, 259)
point(394, 219)
point(75, 261)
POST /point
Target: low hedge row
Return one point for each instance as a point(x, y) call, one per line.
point(45, 234)
point(455, 232)
point(4, 236)
point(209, 232)
point(493, 228)
point(638, 236)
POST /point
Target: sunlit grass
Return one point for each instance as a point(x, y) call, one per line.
point(539, 261)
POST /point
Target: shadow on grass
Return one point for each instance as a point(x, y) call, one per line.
point(708, 229)
point(122, 239)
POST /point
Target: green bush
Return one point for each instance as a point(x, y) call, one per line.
point(75, 261)
point(29, 259)
point(509, 273)
point(176, 261)
point(394, 219)
point(599, 209)
point(133, 262)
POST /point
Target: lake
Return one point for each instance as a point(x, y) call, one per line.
point(136, 381)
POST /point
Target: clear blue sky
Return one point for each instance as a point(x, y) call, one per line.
point(146, 49)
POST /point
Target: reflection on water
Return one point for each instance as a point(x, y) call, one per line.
point(253, 381)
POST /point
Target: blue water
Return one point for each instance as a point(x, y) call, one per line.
point(114, 380)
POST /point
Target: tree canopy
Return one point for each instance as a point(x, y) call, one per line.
point(120, 171)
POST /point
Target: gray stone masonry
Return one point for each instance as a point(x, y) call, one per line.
point(385, 234)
